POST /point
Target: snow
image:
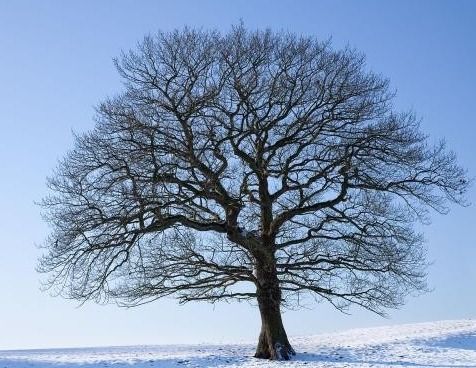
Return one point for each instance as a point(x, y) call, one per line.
point(432, 344)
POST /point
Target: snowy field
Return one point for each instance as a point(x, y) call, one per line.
point(434, 344)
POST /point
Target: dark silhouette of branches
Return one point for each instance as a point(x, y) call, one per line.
point(250, 158)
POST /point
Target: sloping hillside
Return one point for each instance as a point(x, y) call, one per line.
point(432, 344)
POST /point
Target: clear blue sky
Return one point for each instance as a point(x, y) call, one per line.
point(56, 64)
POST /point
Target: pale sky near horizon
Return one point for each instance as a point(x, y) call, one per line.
point(56, 65)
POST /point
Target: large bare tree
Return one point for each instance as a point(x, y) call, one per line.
point(247, 165)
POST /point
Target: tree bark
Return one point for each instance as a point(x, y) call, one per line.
point(273, 342)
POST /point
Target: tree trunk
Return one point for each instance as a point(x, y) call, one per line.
point(273, 342)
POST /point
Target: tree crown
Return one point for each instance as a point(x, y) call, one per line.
point(228, 151)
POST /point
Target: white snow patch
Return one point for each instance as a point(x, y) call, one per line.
point(432, 344)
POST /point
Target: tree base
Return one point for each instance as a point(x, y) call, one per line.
point(274, 349)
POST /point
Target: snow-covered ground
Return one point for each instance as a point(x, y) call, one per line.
point(433, 344)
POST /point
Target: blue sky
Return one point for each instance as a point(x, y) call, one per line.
point(56, 65)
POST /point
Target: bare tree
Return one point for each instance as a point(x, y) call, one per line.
point(247, 165)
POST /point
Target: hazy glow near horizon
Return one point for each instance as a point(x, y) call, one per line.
point(56, 64)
